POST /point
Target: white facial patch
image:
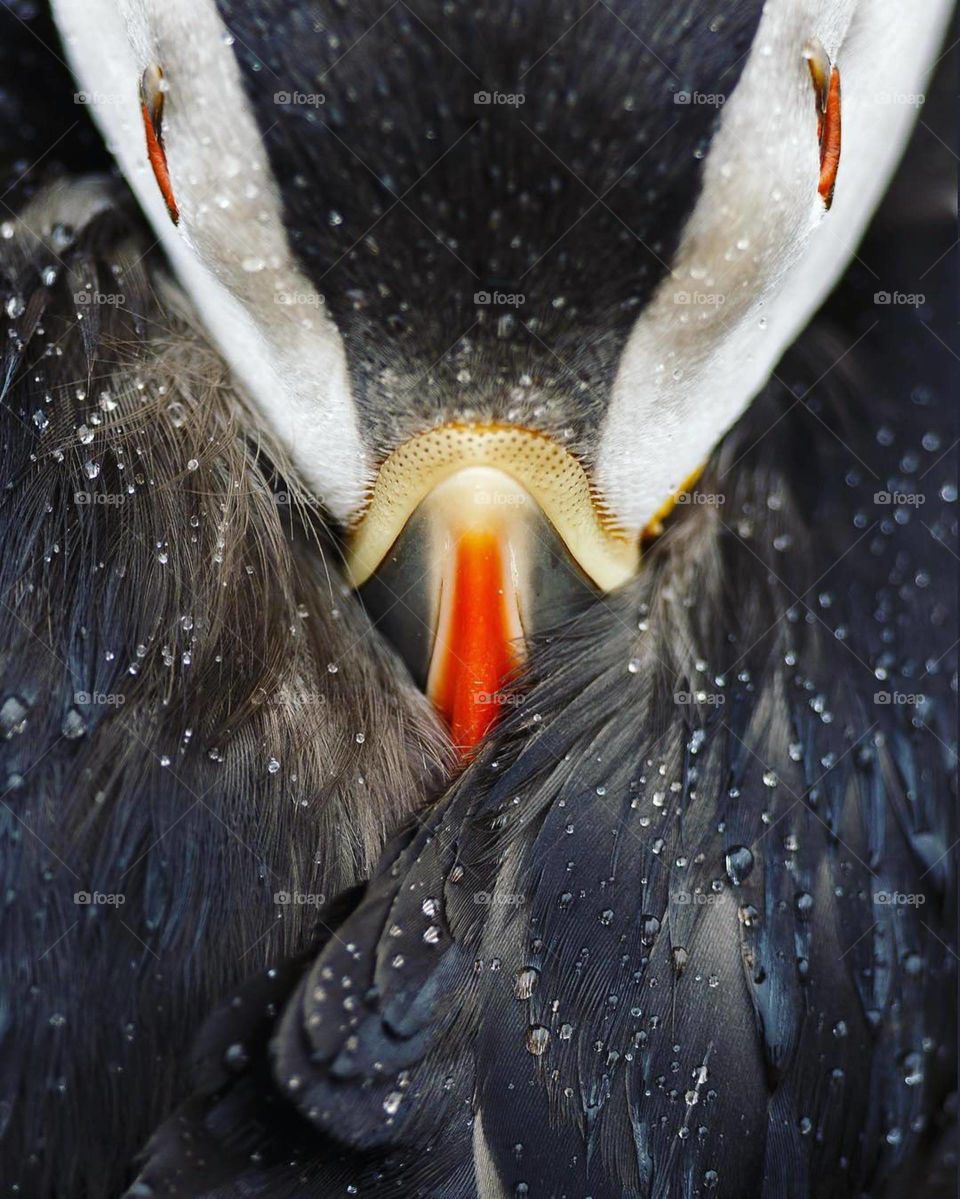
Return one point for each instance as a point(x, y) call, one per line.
point(759, 254)
point(230, 249)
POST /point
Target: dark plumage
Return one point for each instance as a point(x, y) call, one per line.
point(647, 947)
point(194, 715)
point(45, 126)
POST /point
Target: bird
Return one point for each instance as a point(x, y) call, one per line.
point(402, 486)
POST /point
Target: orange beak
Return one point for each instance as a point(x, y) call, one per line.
point(476, 647)
point(476, 537)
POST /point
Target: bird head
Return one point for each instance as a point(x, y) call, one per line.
point(500, 277)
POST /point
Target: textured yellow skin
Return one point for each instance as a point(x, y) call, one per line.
point(553, 477)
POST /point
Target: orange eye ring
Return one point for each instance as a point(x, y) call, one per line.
point(151, 108)
point(830, 140)
point(826, 82)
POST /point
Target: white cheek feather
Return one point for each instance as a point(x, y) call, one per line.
point(230, 250)
point(759, 254)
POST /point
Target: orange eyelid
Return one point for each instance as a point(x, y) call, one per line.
point(830, 141)
point(826, 82)
point(151, 108)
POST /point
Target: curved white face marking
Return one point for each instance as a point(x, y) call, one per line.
point(759, 254)
point(230, 249)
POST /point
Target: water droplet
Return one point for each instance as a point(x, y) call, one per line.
point(236, 1058)
point(73, 725)
point(177, 414)
point(748, 915)
point(526, 983)
point(649, 927)
point(13, 716)
point(739, 862)
point(538, 1038)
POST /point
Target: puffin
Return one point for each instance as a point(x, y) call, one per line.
point(478, 593)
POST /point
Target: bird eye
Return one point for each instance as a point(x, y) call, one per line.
point(826, 85)
point(152, 91)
